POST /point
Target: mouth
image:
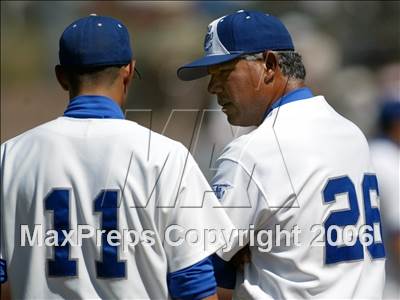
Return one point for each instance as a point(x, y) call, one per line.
point(226, 106)
point(224, 103)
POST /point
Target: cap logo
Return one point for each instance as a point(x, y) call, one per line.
point(212, 43)
point(220, 190)
point(232, 36)
point(208, 39)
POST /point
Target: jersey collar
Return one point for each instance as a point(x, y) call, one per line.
point(93, 106)
point(295, 95)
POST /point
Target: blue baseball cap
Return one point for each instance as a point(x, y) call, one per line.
point(95, 41)
point(243, 32)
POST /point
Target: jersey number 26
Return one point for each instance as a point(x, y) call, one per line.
point(349, 217)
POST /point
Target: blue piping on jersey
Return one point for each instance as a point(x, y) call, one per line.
point(295, 95)
point(193, 283)
point(93, 106)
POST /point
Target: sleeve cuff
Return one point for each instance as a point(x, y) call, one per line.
point(193, 283)
point(3, 271)
point(225, 273)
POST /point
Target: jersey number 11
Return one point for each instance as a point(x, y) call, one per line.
point(105, 203)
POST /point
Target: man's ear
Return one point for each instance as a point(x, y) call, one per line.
point(61, 77)
point(270, 65)
point(128, 71)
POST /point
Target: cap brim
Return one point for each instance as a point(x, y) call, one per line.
point(198, 68)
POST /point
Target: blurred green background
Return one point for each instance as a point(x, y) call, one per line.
point(351, 50)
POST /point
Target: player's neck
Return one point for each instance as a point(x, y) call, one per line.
point(285, 87)
point(109, 93)
point(293, 85)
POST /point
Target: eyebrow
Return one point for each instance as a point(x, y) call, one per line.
point(221, 68)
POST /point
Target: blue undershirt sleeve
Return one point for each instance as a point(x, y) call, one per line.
point(193, 283)
point(3, 271)
point(225, 272)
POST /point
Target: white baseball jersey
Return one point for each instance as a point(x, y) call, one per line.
point(108, 175)
point(305, 169)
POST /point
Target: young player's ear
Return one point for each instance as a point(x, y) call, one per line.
point(128, 71)
point(127, 75)
point(61, 77)
point(270, 65)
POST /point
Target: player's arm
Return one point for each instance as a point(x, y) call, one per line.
point(194, 282)
point(244, 203)
point(196, 208)
point(224, 294)
point(5, 291)
point(225, 272)
point(4, 284)
point(213, 297)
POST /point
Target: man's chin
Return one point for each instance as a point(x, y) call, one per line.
point(232, 120)
point(235, 121)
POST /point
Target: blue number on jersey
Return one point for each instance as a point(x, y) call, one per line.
point(58, 202)
point(106, 203)
point(341, 185)
point(109, 267)
point(372, 215)
point(334, 187)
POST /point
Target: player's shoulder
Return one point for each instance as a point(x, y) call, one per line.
point(33, 133)
point(131, 132)
point(124, 133)
point(348, 126)
point(242, 147)
point(131, 136)
point(304, 120)
point(154, 149)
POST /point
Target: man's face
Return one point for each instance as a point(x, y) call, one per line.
point(238, 86)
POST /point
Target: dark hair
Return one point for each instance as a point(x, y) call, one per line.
point(291, 64)
point(81, 76)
